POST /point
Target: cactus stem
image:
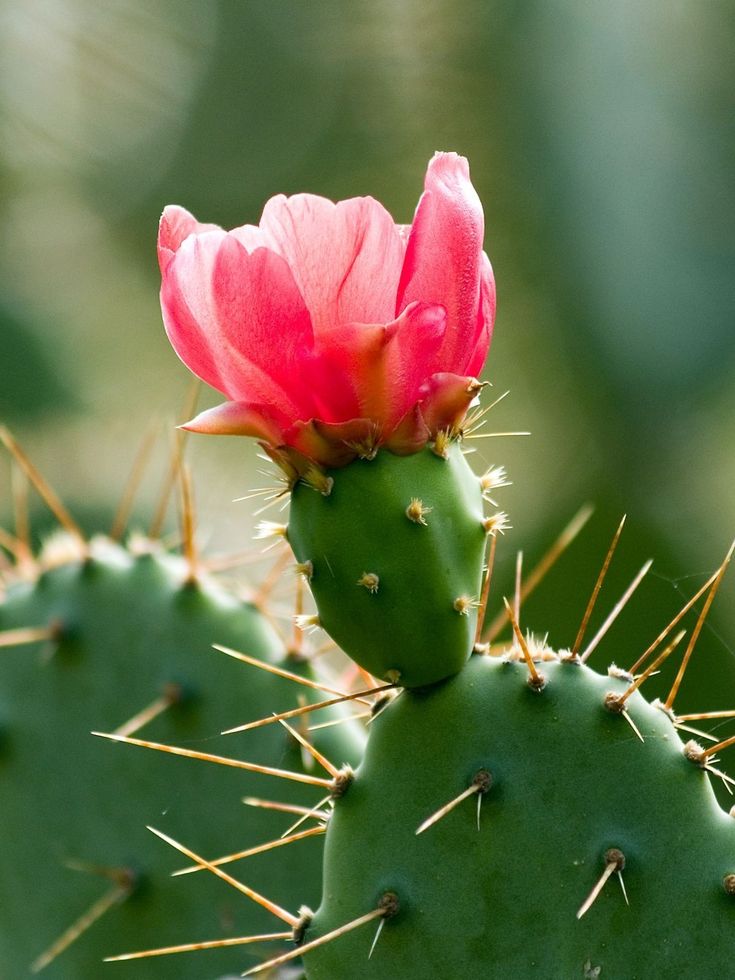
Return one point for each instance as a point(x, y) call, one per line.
point(384, 911)
point(251, 851)
point(280, 672)
point(284, 807)
point(538, 573)
point(536, 679)
point(209, 944)
point(53, 502)
point(416, 511)
point(121, 890)
point(614, 861)
point(598, 585)
point(669, 703)
point(219, 759)
point(370, 581)
point(312, 750)
point(615, 702)
point(481, 783)
point(616, 610)
point(172, 694)
point(305, 709)
point(261, 900)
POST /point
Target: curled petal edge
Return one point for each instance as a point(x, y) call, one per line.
point(238, 419)
point(445, 399)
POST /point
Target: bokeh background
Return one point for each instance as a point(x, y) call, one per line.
point(600, 138)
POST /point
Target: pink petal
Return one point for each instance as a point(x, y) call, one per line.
point(445, 399)
point(175, 225)
point(239, 419)
point(238, 321)
point(485, 320)
point(346, 257)
point(387, 363)
point(410, 435)
point(332, 444)
point(442, 263)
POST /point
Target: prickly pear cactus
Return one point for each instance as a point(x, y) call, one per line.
point(520, 817)
point(118, 634)
point(559, 792)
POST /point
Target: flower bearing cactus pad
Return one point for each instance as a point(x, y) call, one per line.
point(330, 329)
point(503, 800)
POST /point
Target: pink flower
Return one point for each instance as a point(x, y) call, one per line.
point(330, 329)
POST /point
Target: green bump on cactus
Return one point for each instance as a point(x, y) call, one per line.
point(395, 555)
point(112, 635)
point(576, 806)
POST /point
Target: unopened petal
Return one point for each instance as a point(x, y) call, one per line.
point(485, 320)
point(176, 224)
point(445, 399)
point(239, 419)
point(443, 256)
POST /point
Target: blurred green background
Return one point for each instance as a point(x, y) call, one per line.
point(600, 138)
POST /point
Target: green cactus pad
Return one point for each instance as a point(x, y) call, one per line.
point(127, 628)
point(568, 784)
point(395, 552)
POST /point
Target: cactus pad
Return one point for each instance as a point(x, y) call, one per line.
point(569, 794)
point(126, 630)
point(394, 550)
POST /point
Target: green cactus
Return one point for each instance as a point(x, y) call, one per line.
point(118, 631)
point(558, 785)
point(492, 804)
point(393, 550)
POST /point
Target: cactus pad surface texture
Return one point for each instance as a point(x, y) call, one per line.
point(128, 629)
point(395, 556)
point(495, 892)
